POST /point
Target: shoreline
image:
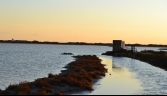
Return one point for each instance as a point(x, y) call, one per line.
point(154, 58)
point(80, 75)
point(76, 43)
point(116, 80)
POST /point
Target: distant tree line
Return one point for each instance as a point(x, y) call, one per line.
point(148, 45)
point(76, 43)
point(47, 42)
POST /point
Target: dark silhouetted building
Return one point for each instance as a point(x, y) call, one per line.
point(118, 45)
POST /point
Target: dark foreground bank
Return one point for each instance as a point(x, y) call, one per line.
point(155, 58)
point(78, 76)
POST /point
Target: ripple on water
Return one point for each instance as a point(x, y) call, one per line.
point(153, 79)
point(118, 81)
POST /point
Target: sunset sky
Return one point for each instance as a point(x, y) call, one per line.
point(91, 21)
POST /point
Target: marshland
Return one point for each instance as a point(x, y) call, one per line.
point(80, 75)
point(22, 64)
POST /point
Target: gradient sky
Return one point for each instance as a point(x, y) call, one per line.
point(91, 21)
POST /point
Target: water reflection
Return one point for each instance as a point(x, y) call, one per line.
point(118, 81)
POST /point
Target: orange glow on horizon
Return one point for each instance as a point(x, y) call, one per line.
point(95, 21)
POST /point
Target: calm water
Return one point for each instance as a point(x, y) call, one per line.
point(26, 62)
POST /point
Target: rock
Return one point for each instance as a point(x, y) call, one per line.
point(67, 53)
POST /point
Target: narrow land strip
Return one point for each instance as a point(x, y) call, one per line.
point(155, 58)
point(79, 76)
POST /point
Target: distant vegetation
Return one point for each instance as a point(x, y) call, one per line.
point(76, 43)
point(47, 42)
point(148, 45)
point(155, 58)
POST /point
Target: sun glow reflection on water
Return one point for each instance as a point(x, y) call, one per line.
point(118, 81)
